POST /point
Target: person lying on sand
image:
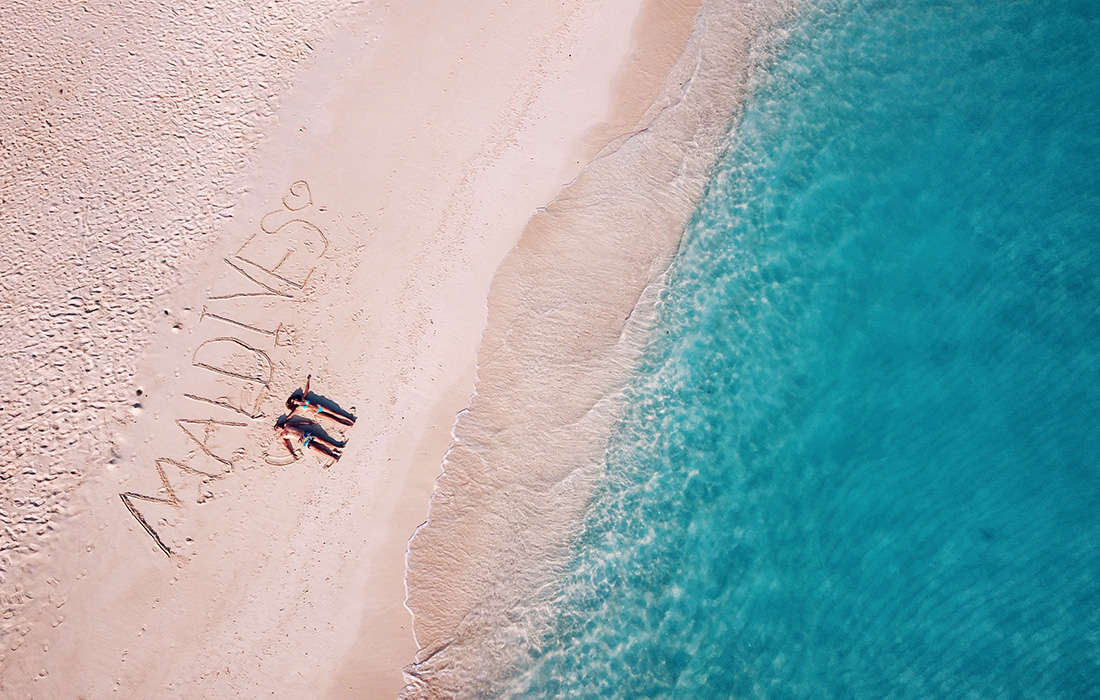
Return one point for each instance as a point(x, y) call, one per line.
point(300, 399)
point(308, 435)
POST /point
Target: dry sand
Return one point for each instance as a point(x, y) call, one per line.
point(207, 205)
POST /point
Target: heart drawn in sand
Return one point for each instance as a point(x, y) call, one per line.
point(299, 197)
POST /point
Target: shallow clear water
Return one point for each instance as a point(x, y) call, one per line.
point(862, 456)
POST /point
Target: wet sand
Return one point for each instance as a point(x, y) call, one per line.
point(569, 312)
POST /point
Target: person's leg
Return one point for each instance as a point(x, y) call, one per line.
point(334, 444)
point(342, 419)
point(324, 449)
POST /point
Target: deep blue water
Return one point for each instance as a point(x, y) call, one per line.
point(862, 456)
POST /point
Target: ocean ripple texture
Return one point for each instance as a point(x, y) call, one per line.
point(861, 457)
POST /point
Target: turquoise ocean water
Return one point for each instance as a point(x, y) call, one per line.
point(861, 458)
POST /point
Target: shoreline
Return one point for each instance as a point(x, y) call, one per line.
point(358, 245)
point(568, 314)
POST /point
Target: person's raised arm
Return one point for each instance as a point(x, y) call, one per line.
point(305, 392)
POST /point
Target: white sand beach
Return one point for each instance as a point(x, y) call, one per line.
point(209, 205)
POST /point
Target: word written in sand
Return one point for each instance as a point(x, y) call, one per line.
point(274, 265)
